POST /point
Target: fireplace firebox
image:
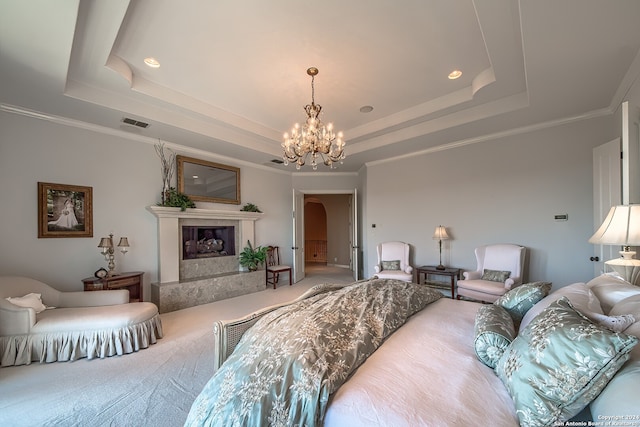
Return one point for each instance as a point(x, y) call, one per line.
point(208, 241)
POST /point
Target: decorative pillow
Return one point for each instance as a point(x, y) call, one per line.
point(629, 305)
point(520, 299)
point(560, 363)
point(579, 294)
point(493, 331)
point(29, 301)
point(610, 289)
point(495, 275)
point(620, 396)
point(391, 265)
point(615, 323)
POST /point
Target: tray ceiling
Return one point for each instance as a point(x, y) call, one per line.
point(233, 76)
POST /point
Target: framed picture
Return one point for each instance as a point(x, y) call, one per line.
point(64, 210)
point(207, 181)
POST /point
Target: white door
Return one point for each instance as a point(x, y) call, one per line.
point(607, 192)
point(630, 154)
point(298, 236)
point(355, 246)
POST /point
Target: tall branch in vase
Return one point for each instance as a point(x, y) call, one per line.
point(168, 164)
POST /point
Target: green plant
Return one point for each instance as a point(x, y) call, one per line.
point(250, 207)
point(174, 198)
point(251, 257)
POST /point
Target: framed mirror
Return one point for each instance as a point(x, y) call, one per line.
point(207, 181)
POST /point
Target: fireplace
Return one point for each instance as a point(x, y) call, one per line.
point(208, 247)
point(208, 241)
point(188, 277)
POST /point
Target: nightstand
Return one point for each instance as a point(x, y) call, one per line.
point(131, 281)
point(430, 270)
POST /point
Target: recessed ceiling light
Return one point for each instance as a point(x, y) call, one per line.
point(366, 109)
point(152, 62)
point(455, 74)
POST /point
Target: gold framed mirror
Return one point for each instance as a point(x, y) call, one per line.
point(208, 181)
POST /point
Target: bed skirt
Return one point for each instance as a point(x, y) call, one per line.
point(69, 346)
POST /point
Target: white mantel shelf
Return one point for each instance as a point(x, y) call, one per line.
point(169, 212)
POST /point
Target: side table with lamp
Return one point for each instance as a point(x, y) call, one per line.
point(108, 279)
point(439, 270)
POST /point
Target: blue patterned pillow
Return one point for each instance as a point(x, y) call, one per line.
point(520, 299)
point(494, 331)
point(559, 363)
point(495, 275)
point(391, 265)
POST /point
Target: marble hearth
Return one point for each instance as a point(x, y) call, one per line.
point(186, 283)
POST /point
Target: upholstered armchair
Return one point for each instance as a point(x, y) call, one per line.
point(393, 261)
point(499, 269)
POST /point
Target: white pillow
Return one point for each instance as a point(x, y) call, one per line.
point(579, 294)
point(610, 289)
point(29, 301)
point(629, 305)
point(615, 323)
point(620, 396)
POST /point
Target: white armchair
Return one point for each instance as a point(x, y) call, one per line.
point(393, 261)
point(499, 269)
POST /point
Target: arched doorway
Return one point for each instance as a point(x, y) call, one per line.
point(315, 232)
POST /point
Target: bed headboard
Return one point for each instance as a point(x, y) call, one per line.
point(227, 333)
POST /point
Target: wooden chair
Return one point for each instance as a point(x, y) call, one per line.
point(274, 268)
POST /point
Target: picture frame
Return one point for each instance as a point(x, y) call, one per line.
point(208, 181)
point(64, 210)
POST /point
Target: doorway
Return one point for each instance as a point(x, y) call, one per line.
point(326, 233)
point(315, 233)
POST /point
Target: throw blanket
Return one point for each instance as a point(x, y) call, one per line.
point(288, 364)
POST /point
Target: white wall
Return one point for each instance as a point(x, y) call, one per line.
point(125, 176)
point(502, 191)
point(505, 190)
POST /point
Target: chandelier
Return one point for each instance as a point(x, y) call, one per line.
point(313, 137)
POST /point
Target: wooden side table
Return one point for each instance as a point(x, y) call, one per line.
point(430, 270)
point(131, 281)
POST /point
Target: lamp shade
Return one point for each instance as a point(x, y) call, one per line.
point(106, 242)
point(124, 242)
point(440, 233)
point(620, 227)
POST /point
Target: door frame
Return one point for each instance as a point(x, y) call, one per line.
point(607, 192)
point(298, 228)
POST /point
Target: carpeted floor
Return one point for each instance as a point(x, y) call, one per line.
point(153, 387)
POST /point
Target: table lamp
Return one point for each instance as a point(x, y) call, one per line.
point(106, 246)
point(621, 227)
point(440, 234)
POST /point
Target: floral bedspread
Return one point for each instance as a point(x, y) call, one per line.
point(288, 364)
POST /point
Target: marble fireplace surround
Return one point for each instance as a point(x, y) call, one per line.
point(172, 292)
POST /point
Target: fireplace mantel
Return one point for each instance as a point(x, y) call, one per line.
point(169, 245)
point(168, 212)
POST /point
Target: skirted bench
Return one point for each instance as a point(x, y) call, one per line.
point(40, 323)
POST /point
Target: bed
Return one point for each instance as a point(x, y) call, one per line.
point(429, 369)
